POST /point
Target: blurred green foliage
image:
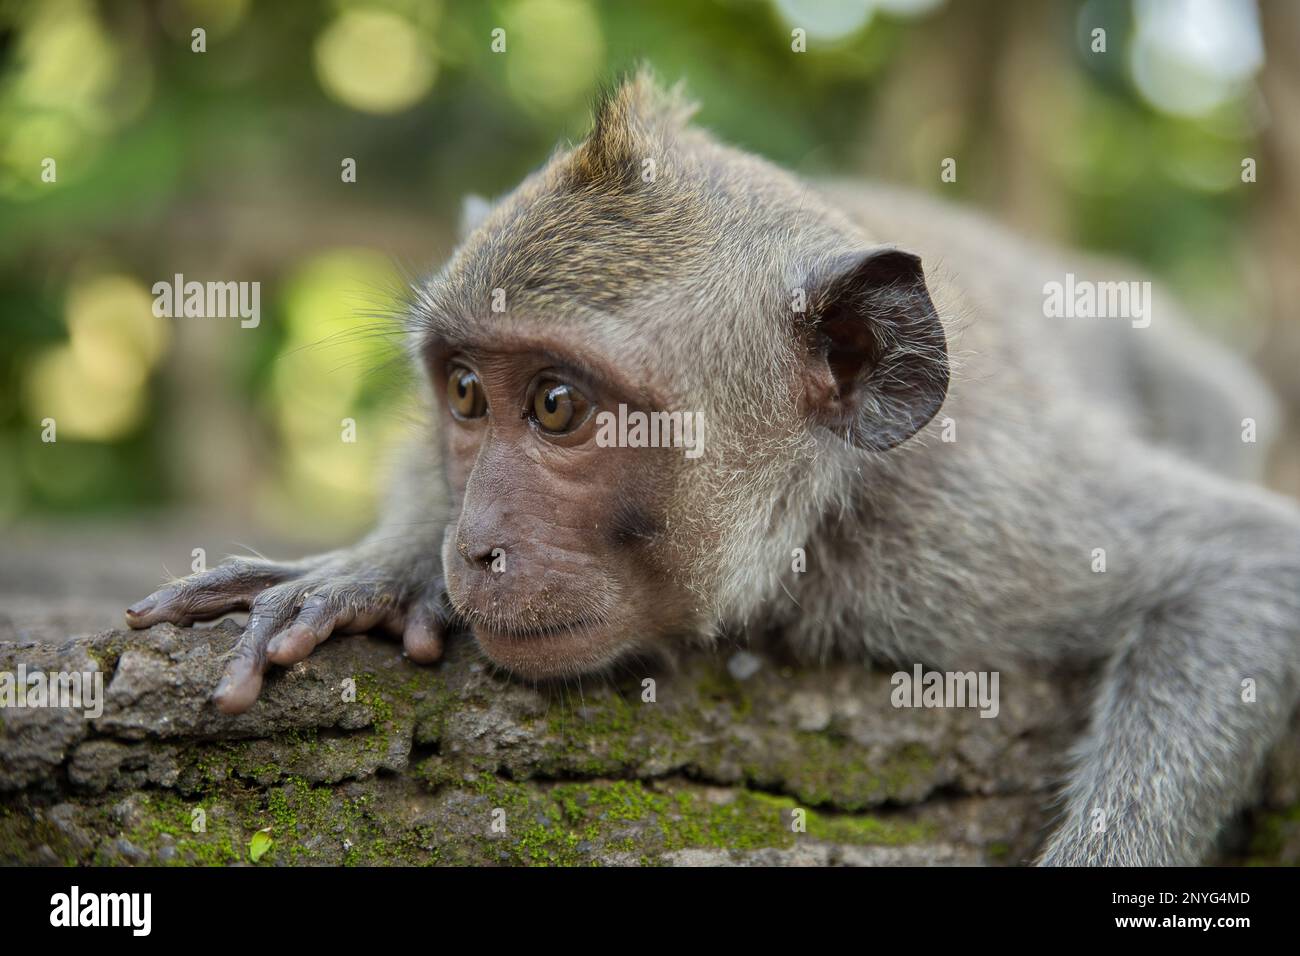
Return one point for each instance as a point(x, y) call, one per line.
point(225, 165)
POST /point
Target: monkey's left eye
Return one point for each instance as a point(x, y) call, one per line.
point(559, 407)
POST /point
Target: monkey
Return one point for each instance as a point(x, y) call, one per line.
point(884, 394)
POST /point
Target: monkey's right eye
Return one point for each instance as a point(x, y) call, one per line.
point(465, 394)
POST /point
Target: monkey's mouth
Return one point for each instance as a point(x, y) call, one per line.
point(549, 650)
point(533, 633)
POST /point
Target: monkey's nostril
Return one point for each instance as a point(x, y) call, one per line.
point(488, 557)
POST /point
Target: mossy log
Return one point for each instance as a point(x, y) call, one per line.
point(357, 756)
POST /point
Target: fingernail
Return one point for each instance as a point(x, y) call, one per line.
point(140, 608)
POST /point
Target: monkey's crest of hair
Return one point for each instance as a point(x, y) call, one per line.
point(634, 121)
point(595, 226)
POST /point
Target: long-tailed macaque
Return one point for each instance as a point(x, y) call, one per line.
point(907, 452)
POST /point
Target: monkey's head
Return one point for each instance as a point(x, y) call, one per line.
point(651, 270)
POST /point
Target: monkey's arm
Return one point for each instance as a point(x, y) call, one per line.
point(392, 579)
point(1199, 686)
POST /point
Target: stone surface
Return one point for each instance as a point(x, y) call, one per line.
point(358, 756)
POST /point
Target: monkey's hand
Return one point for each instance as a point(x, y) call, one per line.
point(295, 606)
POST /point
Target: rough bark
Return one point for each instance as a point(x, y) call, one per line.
point(413, 768)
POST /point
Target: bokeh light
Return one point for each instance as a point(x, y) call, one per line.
point(827, 21)
point(835, 20)
point(114, 332)
point(82, 402)
point(556, 49)
point(68, 60)
point(1189, 57)
point(375, 61)
point(219, 18)
point(66, 68)
point(94, 385)
point(340, 309)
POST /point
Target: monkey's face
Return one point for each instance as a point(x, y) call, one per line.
point(556, 556)
point(591, 289)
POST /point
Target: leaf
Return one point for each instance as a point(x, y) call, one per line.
point(260, 843)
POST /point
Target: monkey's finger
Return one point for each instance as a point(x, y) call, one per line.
point(227, 587)
point(347, 610)
point(422, 635)
point(315, 622)
point(242, 681)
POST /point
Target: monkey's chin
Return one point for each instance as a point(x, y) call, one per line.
point(553, 652)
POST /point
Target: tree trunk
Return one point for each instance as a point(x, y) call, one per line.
point(358, 756)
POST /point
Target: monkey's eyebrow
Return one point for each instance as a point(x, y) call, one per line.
point(587, 364)
point(583, 367)
point(595, 371)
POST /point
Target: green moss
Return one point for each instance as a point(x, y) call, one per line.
point(827, 769)
point(284, 815)
point(720, 686)
point(865, 829)
point(436, 772)
point(164, 812)
point(548, 824)
point(298, 814)
point(750, 821)
point(212, 765)
point(615, 800)
point(615, 735)
point(432, 714)
point(107, 654)
point(596, 736)
point(611, 734)
point(570, 823)
point(371, 696)
point(21, 834)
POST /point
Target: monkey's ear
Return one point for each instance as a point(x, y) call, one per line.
point(878, 359)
